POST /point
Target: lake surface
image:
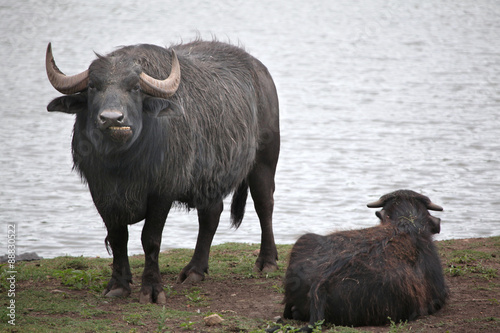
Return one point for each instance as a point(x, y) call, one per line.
point(375, 96)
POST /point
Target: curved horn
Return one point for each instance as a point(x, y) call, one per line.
point(376, 204)
point(163, 88)
point(62, 83)
point(433, 206)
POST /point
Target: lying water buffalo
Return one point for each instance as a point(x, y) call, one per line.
point(364, 277)
point(157, 126)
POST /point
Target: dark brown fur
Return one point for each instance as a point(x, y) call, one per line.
point(369, 276)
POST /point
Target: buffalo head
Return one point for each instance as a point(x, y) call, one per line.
point(111, 96)
point(409, 210)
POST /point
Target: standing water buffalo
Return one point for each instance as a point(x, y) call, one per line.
point(156, 126)
point(370, 276)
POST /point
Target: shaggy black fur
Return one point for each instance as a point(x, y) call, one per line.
point(364, 277)
point(217, 134)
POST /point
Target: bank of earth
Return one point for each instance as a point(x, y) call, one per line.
point(64, 294)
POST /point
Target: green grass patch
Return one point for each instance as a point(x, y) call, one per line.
point(472, 269)
point(78, 279)
point(474, 261)
point(65, 325)
point(196, 297)
point(468, 256)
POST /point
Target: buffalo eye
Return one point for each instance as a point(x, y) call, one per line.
point(91, 85)
point(136, 88)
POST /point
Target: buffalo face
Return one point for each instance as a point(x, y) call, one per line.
point(114, 101)
point(111, 98)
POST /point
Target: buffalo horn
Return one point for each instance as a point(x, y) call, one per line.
point(433, 206)
point(163, 88)
point(62, 83)
point(376, 204)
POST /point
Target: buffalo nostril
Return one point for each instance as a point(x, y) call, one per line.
point(110, 117)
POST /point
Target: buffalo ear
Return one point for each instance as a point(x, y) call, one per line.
point(382, 216)
point(68, 104)
point(435, 224)
point(160, 107)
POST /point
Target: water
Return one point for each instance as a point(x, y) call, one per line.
point(375, 96)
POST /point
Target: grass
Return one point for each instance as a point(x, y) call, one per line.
point(470, 262)
point(397, 327)
point(196, 298)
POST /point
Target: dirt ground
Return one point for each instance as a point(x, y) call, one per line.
point(474, 305)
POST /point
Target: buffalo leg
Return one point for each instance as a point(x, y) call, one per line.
point(317, 296)
point(208, 220)
point(152, 289)
point(287, 313)
point(119, 285)
point(261, 182)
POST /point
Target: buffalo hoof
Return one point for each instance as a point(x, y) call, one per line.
point(117, 292)
point(191, 278)
point(151, 294)
point(266, 268)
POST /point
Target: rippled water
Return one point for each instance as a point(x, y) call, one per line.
point(375, 96)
